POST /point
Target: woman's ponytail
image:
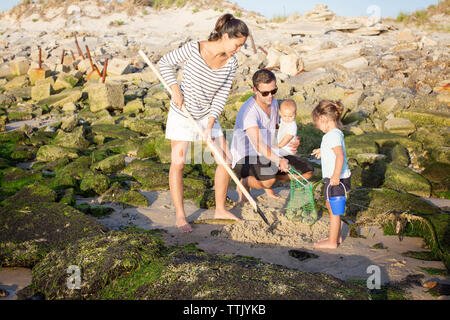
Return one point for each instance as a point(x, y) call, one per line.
point(228, 24)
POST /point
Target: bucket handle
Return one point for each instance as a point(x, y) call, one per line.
point(328, 198)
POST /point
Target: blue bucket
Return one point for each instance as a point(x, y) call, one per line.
point(337, 204)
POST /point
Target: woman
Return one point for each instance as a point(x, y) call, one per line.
point(209, 70)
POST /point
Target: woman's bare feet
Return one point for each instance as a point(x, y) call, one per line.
point(326, 244)
point(225, 214)
point(326, 239)
point(271, 194)
point(242, 198)
point(183, 225)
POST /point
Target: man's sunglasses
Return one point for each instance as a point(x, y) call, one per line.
point(266, 93)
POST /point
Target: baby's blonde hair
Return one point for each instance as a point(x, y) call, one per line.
point(289, 104)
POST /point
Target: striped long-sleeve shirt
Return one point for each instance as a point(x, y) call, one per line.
point(205, 90)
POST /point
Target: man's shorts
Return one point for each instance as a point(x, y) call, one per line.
point(263, 169)
point(336, 191)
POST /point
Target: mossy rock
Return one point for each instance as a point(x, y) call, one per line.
point(399, 155)
point(368, 203)
point(439, 175)
point(41, 137)
point(147, 148)
point(129, 197)
point(144, 126)
point(197, 190)
point(377, 143)
point(77, 168)
point(94, 183)
point(152, 175)
point(111, 164)
point(50, 166)
point(122, 146)
point(189, 273)
point(36, 192)
point(4, 163)
point(17, 178)
point(101, 259)
point(68, 197)
point(22, 153)
point(404, 179)
point(95, 211)
point(30, 230)
point(50, 153)
point(422, 118)
point(12, 137)
point(163, 149)
point(74, 139)
point(113, 131)
point(62, 181)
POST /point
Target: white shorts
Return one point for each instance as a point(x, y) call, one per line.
point(180, 128)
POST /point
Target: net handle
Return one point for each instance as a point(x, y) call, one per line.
point(328, 193)
point(292, 171)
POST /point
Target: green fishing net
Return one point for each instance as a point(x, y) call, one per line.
point(301, 201)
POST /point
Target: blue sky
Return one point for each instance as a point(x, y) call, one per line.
point(349, 8)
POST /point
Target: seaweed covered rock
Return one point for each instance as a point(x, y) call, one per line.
point(49, 153)
point(144, 126)
point(439, 176)
point(77, 168)
point(101, 259)
point(36, 192)
point(111, 164)
point(94, 183)
point(74, 139)
point(400, 178)
point(380, 205)
point(16, 178)
point(152, 175)
point(189, 273)
point(32, 228)
point(113, 131)
point(129, 197)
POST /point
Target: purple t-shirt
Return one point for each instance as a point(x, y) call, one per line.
point(252, 115)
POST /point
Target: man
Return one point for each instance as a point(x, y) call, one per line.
point(255, 161)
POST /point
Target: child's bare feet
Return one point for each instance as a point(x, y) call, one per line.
point(271, 194)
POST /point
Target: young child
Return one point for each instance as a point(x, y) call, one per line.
point(327, 118)
point(286, 133)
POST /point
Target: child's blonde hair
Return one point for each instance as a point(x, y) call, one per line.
point(290, 104)
point(330, 109)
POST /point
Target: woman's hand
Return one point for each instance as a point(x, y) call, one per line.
point(293, 146)
point(177, 97)
point(316, 153)
point(207, 135)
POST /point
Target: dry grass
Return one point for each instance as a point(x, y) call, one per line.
point(132, 7)
point(421, 17)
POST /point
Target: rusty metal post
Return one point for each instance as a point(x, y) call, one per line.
point(73, 56)
point(62, 56)
point(105, 68)
point(94, 67)
point(80, 53)
point(262, 49)
point(40, 58)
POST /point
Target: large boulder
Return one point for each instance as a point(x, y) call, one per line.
point(404, 179)
point(93, 182)
point(400, 126)
point(111, 164)
point(74, 139)
point(144, 126)
point(49, 153)
point(106, 95)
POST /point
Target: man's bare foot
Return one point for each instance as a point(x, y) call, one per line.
point(225, 214)
point(325, 245)
point(271, 194)
point(243, 198)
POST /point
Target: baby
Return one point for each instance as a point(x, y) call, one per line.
point(286, 133)
point(288, 127)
